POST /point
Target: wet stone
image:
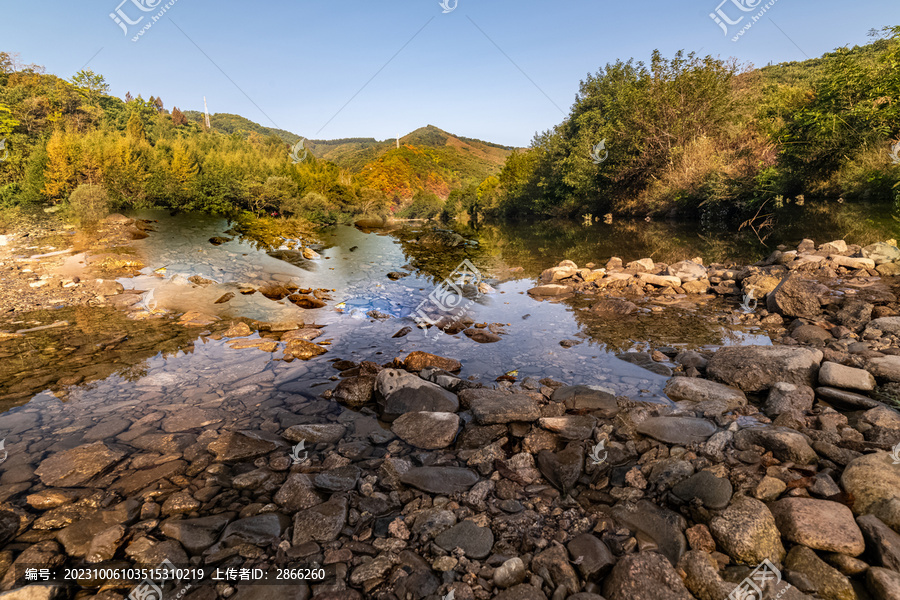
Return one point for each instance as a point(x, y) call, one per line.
point(298, 493)
point(677, 430)
point(234, 446)
point(76, 467)
point(322, 523)
point(196, 535)
point(475, 541)
point(440, 480)
point(427, 430)
point(818, 524)
point(316, 434)
point(341, 479)
point(505, 408)
point(714, 492)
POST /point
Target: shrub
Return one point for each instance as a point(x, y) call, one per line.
point(89, 203)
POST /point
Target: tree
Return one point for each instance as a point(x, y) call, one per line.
point(7, 122)
point(135, 128)
point(59, 177)
point(91, 85)
point(178, 117)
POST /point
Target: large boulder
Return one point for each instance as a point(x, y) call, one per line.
point(882, 253)
point(746, 531)
point(687, 270)
point(758, 368)
point(796, 297)
point(644, 576)
point(818, 524)
point(694, 389)
point(873, 482)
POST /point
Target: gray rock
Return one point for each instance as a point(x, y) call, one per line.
point(883, 542)
point(570, 427)
point(818, 524)
point(196, 535)
point(191, 418)
point(523, 591)
point(880, 425)
point(355, 391)
point(476, 542)
point(883, 584)
point(564, 468)
point(440, 480)
point(587, 398)
point(873, 481)
point(591, 555)
point(552, 565)
point(645, 361)
point(644, 576)
point(835, 375)
point(701, 390)
point(427, 430)
point(298, 493)
point(846, 400)
point(238, 445)
point(885, 367)
point(76, 467)
point(505, 408)
point(510, 573)
point(613, 307)
point(713, 492)
point(551, 289)
point(828, 581)
point(662, 525)
point(888, 325)
point(401, 392)
point(701, 576)
point(785, 444)
point(691, 358)
point(77, 538)
point(746, 531)
point(326, 433)
point(787, 397)
point(796, 297)
point(322, 523)
point(881, 253)
point(687, 270)
point(105, 544)
point(677, 430)
point(339, 479)
point(855, 315)
point(758, 368)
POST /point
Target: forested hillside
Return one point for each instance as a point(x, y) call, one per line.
point(708, 137)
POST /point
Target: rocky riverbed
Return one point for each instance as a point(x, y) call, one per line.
point(406, 479)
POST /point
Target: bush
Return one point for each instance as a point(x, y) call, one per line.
point(89, 203)
point(313, 207)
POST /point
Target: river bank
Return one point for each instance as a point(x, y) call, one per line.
point(250, 444)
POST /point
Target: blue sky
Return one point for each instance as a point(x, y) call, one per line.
point(498, 70)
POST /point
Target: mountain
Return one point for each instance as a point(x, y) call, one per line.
point(428, 159)
point(228, 123)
